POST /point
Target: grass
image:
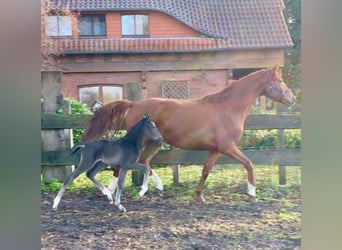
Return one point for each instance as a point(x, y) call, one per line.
point(275, 218)
point(224, 181)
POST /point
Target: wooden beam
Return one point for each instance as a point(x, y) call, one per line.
point(64, 121)
point(288, 157)
point(220, 60)
point(61, 121)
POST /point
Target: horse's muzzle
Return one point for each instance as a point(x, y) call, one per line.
point(158, 140)
point(291, 102)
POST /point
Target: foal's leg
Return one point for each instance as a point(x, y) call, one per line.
point(91, 175)
point(234, 152)
point(114, 182)
point(70, 178)
point(121, 182)
point(139, 166)
point(208, 165)
point(150, 151)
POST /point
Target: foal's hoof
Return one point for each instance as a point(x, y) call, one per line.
point(160, 192)
point(122, 208)
point(111, 202)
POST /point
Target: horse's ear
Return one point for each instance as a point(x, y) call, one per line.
point(146, 115)
point(275, 68)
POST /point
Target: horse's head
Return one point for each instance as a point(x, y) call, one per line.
point(277, 90)
point(151, 131)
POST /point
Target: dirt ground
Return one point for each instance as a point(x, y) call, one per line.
point(88, 221)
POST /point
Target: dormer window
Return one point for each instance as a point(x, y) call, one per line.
point(134, 25)
point(92, 25)
point(58, 26)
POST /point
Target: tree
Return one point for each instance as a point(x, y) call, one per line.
point(292, 67)
point(49, 49)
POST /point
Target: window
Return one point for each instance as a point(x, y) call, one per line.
point(176, 89)
point(58, 26)
point(134, 25)
point(103, 93)
point(93, 25)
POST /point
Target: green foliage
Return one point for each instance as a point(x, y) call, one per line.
point(292, 66)
point(268, 139)
point(224, 181)
point(293, 138)
point(78, 108)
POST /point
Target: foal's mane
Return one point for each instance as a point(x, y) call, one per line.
point(227, 91)
point(136, 129)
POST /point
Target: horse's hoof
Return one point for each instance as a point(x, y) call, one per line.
point(160, 193)
point(200, 198)
point(111, 202)
point(251, 198)
point(122, 208)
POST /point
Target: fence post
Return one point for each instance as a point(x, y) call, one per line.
point(175, 171)
point(281, 143)
point(135, 93)
point(282, 168)
point(58, 139)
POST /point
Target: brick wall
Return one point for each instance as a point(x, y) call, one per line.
point(200, 82)
point(161, 25)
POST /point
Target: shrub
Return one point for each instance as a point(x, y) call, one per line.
point(78, 108)
point(268, 139)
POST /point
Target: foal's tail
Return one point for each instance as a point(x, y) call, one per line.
point(108, 117)
point(77, 147)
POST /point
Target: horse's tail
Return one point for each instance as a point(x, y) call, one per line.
point(77, 147)
point(108, 117)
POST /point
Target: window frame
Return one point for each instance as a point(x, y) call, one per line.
point(100, 91)
point(135, 25)
point(58, 23)
point(92, 15)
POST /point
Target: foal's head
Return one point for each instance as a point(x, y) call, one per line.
point(147, 128)
point(277, 90)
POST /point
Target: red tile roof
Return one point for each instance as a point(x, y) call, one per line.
point(228, 24)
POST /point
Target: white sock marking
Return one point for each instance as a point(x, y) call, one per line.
point(157, 181)
point(113, 184)
point(251, 189)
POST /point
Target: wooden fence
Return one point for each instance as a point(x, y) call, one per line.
point(280, 156)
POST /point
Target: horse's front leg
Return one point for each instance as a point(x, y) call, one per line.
point(208, 165)
point(234, 152)
point(150, 151)
point(114, 182)
point(121, 182)
point(141, 167)
point(144, 186)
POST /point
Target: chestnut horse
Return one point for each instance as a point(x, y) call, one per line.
point(212, 123)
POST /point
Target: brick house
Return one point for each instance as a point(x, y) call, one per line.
point(165, 48)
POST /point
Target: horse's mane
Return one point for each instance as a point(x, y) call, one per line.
point(226, 92)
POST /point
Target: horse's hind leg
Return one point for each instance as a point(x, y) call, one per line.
point(70, 178)
point(91, 175)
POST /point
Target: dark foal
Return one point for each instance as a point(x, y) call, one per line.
point(124, 153)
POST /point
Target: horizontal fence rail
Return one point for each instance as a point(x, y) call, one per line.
point(279, 156)
point(64, 121)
